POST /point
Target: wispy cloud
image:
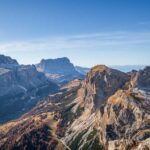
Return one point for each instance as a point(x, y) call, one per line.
point(82, 41)
point(144, 23)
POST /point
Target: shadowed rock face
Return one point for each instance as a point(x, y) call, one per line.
point(104, 82)
point(142, 79)
point(120, 121)
point(6, 60)
point(122, 112)
point(21, 79)
point(22, 86)
point(60, 70)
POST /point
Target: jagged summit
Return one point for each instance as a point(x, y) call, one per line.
point(103, 69)
point(102, 82)
point(6, 60)
point(100, 68)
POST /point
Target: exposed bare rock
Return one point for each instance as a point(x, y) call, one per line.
point(121, 113)
point(6, 61)
point(21, 87)
point(60, 70)
point(129, 145)
point(102, 82)
point(109, 110)
point(141, 79)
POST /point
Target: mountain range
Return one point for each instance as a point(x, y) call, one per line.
point(107, 110)
point(22, 86)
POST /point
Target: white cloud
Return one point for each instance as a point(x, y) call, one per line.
point(83, 41)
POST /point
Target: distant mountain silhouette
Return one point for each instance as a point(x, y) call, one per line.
point(82, 70)
point(60, 70)
point(128, 68)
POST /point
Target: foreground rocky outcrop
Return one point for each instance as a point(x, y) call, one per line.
point(116, 112)
point(109, 110)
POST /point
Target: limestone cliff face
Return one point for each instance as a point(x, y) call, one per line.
point(60, 70)
point(102, 82)
point(122, 116)
point(109, 110)
point(56, 66)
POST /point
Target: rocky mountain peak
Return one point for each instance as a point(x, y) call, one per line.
point(100, 68)
point(102, 82)
point(141, 79)
point(56, 66)
point(97, 70)
point(60, 70)
point(6, 60)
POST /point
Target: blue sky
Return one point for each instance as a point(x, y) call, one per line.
point(89, 32)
